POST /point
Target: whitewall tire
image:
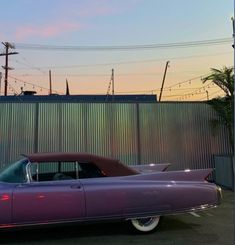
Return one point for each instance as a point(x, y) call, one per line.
point(146, 224)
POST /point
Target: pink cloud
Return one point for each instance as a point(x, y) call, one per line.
point(99, 11)
point(46, 31)
point(66, 19)
point(95, 8)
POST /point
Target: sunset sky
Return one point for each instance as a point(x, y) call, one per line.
point(116, 23)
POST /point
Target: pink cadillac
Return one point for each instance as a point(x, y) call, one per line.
point(51, 188)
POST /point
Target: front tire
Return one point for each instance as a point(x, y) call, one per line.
point(146, 224)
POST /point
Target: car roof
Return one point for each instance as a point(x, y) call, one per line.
point(110, 166)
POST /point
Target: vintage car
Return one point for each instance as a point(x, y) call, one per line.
point(53, 188)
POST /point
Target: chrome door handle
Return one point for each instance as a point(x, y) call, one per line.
point(76, 186)
point(22, 185)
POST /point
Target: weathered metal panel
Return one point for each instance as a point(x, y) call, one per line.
point(103, 129)
point(98, 131)
point(17, 127)
point(124, 132)
point(5, 121)
point(49, 127)
point(179, 133)
point(73, 127)
point(224, 171)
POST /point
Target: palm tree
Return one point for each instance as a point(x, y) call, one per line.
point(224, 79)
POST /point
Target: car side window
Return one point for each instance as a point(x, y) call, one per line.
point(53, 171)
point(70, 169)
point(15, 173)
point(90, 170)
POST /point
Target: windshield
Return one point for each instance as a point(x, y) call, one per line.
point(15, 173)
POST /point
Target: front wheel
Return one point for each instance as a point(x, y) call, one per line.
point(146, 224)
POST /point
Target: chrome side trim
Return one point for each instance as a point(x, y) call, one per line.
point(105, 218)
point(176, 212)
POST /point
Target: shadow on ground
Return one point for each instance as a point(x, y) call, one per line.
point(74, 232)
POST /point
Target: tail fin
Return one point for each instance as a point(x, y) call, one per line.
point(149, 168)
point(184, 175)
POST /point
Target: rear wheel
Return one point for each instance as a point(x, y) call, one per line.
point(146, 224)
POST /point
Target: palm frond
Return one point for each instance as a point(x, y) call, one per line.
point(222, 78)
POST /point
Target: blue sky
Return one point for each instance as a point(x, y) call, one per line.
point(114, 22)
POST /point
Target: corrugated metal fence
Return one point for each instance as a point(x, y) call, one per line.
point(179, 133)
point(224, 174)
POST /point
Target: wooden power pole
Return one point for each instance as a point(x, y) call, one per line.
point(50, 84)
point(6, 67)
point(0, 82)
point(112, 79)
point(163, 81)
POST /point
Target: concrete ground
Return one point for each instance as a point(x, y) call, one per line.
point(215, 226)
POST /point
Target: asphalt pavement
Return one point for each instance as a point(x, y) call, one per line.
point(214, 226)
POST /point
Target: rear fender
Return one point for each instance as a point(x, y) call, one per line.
point(185, 175)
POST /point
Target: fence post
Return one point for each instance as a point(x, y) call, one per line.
point(138, 132)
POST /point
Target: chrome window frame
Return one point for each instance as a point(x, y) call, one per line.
point(29, 177)
point(77, 169)
point(28, 172)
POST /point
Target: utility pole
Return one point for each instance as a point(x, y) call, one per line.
point(0, 82)
point(207, 95)
point(233, 23)
point(163, 80)
point(112, 79)
point(67, 88)
point(6, 67)
point(50, 85)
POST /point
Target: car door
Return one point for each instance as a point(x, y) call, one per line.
point(5, 204)
point(103, 198)
point(42, 202)
point(45, 200)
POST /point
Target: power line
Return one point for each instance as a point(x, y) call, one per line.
point(218, 41)
point(180, 96)
point(13, 89)
point(27, 64)
point(33, 85)
point(129, 62)
point(216, 92)
point(101, 74)
point(197, 91)
point(155, 90)
point(6, 67)
point(169, 88)
point(93, 75)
